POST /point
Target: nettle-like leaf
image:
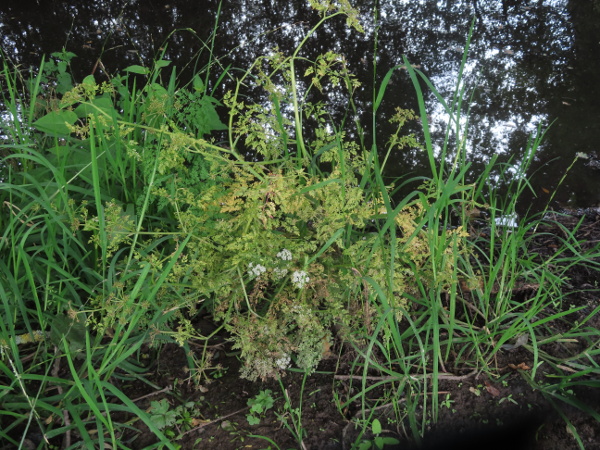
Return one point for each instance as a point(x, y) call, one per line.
point(196, 111)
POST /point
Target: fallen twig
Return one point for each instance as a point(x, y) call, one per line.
point(218, 419)
point(440, 376)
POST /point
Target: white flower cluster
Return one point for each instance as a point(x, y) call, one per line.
point(280, 273)
point(300, 278)
point(256, 270)
point(285, 255)
point(283, 362)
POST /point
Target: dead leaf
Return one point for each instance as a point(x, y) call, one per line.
point(491, 389)
point(520, 366)
point(327, 353)
point(197, 422)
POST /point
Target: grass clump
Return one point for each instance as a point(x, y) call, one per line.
point(130, 209)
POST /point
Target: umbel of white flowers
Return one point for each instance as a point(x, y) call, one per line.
point(299, 277)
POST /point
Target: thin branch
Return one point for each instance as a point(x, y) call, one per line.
point(441, 376)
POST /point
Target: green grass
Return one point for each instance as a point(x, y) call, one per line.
point(122, 219)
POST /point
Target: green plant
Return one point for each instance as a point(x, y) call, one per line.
point(508, 398)
point(447, 402)
point(122, 218)
point(259, 405)
point(378, 442)
point(467, 307)
point(291, 418)
point(162, 415)
point(287, 243)
point(174, 422)
point(86, 263)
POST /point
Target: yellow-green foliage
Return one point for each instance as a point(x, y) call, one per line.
point(286, 251)
point(237, 263)
point(325, 222)
point(281, 249)
point(259, 219)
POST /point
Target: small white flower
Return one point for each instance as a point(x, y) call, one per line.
point(256, 270)
point(279, 273)
point(300, 278)
point(285, 255)
point(283, 362)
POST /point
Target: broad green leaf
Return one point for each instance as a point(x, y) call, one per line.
point(160, 416)
point(72, 331)
point(198, 84)
point(257, 408)
point(252, 420)
point(89, 80)
point(67, 56)
point(99, 104)
point(159, 407)
point(56, 122)
point(376, 426)
point(207, 118)
point(138, 69)
point(64, 82)
point(162, 63)
point(156, 90)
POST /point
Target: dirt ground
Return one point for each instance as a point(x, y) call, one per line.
point(481, 415)
point(477, 412)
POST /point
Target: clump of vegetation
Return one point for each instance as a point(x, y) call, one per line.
point(127, 214)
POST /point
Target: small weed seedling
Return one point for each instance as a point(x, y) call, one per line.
point(175, 422)
point(447, 403)
point(292, 419)
point(508, 399)
point(258, 406)
point(378, 442)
